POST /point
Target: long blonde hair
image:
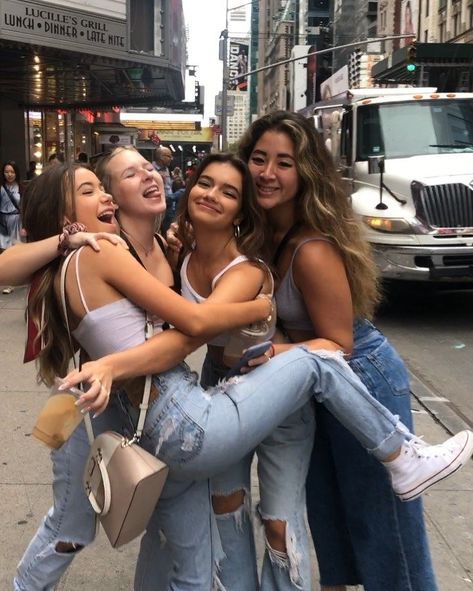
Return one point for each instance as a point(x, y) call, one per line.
point(322, 202)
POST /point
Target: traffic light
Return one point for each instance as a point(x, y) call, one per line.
point(411, 63)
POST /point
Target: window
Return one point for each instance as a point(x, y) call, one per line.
point(142, 25)
point(427, 2)
point(426, 36)
point(456, 22)
point(401, 130)
point(442, 32)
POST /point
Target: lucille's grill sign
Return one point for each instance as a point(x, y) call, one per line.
point(68, 26)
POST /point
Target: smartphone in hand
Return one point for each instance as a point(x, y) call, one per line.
point(250, 353)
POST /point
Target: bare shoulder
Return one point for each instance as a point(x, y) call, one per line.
point(317, 251)
point(249, 271)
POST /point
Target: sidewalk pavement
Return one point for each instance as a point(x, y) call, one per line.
point(25, 484)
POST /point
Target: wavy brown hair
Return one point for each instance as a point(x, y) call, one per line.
point(250, 242)
point(48, 199)
point(322, 201)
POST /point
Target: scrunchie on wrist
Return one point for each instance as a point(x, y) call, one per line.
point(67, 231)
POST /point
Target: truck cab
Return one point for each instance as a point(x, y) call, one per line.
point(407, 156)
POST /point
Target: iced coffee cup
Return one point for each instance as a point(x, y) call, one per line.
point(59, 417)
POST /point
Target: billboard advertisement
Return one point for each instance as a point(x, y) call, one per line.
point(409, 17)
point(238, 65)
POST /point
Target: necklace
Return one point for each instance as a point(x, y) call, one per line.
point(147, 251)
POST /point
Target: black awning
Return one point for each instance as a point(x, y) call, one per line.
point(45, 77)
point(432, 55)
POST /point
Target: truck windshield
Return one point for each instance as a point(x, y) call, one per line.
point(400, 130)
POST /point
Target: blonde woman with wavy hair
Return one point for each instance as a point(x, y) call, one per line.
point(328, 291)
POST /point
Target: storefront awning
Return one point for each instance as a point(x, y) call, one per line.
point(46, 77)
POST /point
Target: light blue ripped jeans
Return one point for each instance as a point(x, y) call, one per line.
point(200, 433)
point(71, 519)
point(283, 463)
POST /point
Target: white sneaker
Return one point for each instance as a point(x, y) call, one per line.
point(419, 465)
point(7, 290)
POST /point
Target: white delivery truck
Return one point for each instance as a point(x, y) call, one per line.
point(407, 155)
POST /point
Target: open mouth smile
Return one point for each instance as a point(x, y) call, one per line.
point(152, 192)
point(107, 217)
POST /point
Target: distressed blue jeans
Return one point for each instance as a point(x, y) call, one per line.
point(200, 433)
point(71, 519)
point(283, 463)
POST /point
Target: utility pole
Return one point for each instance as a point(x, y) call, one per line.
point(224, 58)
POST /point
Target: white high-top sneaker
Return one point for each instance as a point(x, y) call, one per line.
point(419, 465)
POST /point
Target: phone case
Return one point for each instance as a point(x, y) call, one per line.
point(250, 353)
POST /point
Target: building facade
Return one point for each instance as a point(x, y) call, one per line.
point(69, 66)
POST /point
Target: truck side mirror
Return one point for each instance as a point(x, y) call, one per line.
point(375, 164)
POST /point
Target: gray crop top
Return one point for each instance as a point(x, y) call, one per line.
point(113, 327)
point(292, 311)
point(188, 292)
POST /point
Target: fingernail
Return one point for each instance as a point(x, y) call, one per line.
point(63, 386)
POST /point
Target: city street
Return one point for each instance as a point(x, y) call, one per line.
point(25, 473)
point(433, 328)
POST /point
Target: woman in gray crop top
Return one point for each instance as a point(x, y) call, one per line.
point(195, 432)
point(327, 292)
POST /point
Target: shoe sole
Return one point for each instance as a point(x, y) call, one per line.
point(458, 462)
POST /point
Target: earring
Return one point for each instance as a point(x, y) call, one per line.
point(236, 230)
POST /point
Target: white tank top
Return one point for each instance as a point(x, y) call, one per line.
point(188, 292)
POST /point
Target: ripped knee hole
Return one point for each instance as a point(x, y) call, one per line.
point(68, 547)
point(276, 534)
point(228, 503)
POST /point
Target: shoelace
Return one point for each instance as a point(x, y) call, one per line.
point(414, 444)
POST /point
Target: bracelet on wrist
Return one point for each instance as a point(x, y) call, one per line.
point(67, 231)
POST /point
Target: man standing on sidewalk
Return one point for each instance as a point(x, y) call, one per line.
point(161, 162)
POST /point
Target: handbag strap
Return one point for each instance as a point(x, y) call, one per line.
point(149, 330)
point(12, 199)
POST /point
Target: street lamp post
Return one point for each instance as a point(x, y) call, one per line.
point(224, 55)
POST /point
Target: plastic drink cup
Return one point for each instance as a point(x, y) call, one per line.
point(59, 417)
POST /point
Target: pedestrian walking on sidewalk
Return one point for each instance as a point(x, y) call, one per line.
point(10, 196)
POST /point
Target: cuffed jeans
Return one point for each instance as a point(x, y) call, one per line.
point(363, 534)
point(200, 433)
point(71, 519)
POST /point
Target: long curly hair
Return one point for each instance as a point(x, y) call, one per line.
point(250, 240)
point(322, 202)
point(48, 199)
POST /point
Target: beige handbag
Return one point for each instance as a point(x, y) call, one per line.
point(122, 481)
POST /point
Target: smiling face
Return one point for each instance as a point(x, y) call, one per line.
point(136, 186)
point(93, 207)
point(216, 196)
point(9, 173)
point(273, 167)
